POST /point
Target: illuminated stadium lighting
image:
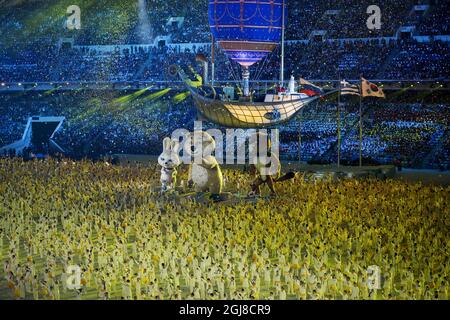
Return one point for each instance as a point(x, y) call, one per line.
point(157, 95)
point(145, 29)
point(354, 222)
point(130, 97)
point(181, 97)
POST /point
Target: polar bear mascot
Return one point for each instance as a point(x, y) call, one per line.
point(204, 172)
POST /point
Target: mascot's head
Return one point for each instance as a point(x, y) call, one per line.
point(169, 157)
point(259, 145)
point(262, 154)
point(199, 144)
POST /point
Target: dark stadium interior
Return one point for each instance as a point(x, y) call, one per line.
point(32, 52)
point(95, 202)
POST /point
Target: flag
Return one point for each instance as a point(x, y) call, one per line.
point(370, 89)
point(310, 89)
point(200, 57)
point(349, 89)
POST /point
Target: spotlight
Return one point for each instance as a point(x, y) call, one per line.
point(144, 26)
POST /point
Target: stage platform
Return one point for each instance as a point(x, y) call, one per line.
point(341, 172)
point(312, 172)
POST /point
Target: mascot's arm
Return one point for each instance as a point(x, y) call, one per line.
point(274, 165)
point(190, 182)
point(209, 162)
point(174, 177)
point(276, 161)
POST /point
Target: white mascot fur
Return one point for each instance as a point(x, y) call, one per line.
point(169, 162)
point(204, 171)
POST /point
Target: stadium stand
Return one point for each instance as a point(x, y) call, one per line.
point(109, 48)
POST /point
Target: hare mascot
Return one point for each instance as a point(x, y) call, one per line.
point(169, 161)
point(204, 171)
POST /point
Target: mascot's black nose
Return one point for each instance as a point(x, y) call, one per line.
point(192, 148)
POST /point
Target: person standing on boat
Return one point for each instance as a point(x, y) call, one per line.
point(291, 85)
point(280, 90)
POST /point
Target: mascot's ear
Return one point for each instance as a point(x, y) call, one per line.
point(187, 142)
point(187, 137)
point(261, 137)
point(210, 144)
point(175, 146)
point(166, 144)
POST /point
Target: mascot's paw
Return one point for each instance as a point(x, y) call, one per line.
point(219, 197)
point(166, 190)
point(253, 194)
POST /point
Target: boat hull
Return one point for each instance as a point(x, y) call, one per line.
point(248, 114)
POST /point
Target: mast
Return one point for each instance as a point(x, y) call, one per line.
point(246, 80)
point(212, 60)
point(339, 123)
point(282, 47)
point(360, 126)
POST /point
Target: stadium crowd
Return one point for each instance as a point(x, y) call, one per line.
point(385, 56)
point(343, 240)
point(385, 59)
point(107, 122)
point(406, 132)
point(128, 241)
point(100, 123)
